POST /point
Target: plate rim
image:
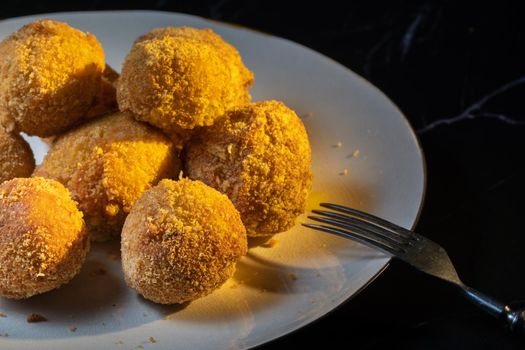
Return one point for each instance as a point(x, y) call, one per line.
point(363, 80)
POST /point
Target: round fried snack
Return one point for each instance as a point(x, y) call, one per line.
point(181, 78)
point(107, 164)
point(181, 241)
point(49, 75)
point(16, 157)
point(259, 155)
point(105, 102)
point(43, 239)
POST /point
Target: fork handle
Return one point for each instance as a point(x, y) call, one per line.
point(514, 319)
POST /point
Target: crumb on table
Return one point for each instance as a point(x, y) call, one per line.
point(72, 328)
point(34, 318)
point(3, 314)
point(292, 276)
point(98, 272)
point(114, 256)
point(152, 340)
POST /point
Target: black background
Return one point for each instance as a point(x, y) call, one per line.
point(436, 60)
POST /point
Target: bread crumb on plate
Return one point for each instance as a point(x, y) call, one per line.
point(34, 318)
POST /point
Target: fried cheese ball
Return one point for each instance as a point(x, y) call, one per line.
point(43, 238)
point(259, 155)
point(107, 164)
point(181, 78)
point(16, 157)
point(181, 241)
point(49, 75)
point(105, 102)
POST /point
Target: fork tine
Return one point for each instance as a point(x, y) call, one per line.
point(355, 237)
point(363, 229)
point(377, 229)
point(369, 217)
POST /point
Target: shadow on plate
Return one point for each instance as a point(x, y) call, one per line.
point(89, 294)
point(261, 285)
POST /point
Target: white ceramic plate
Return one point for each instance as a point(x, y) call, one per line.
point(275, 290)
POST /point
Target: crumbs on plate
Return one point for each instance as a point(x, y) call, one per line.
point(35, 318)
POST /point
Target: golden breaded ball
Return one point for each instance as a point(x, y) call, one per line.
point(181, 78)
point(107, 164)
point(181, 241)
point(105, 102)
point(43, 239)
point(49, 75)
point(259, 155)
point(16, 157)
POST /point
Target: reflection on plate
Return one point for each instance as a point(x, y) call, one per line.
point(364, 155)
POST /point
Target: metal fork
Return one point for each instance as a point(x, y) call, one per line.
point(410, 247)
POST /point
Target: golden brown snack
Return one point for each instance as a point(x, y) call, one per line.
point(16, 157)
point(181, 78)
point(43, 239)
point(49, 75)
point(105, 102)
point(181, 241)
point(107, 164)
point(259, 155)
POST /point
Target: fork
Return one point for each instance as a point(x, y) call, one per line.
point(410, 247)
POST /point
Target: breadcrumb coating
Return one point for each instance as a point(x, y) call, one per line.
point(105, 102)
point(107, 164)
point(259, 155)
point(16, 157)
point(43, 238)
point(49, 75)
point(181, 78)
point(181, 241)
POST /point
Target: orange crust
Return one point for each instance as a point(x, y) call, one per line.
point(181, 78)
point(43, 238)
point(49, 75)
point(107, 164)
point(16, 157)
point(181, 241)
point(259, 155)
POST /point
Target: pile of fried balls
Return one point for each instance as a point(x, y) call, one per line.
point(170, 157)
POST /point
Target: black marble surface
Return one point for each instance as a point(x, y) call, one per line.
point(457, 71)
